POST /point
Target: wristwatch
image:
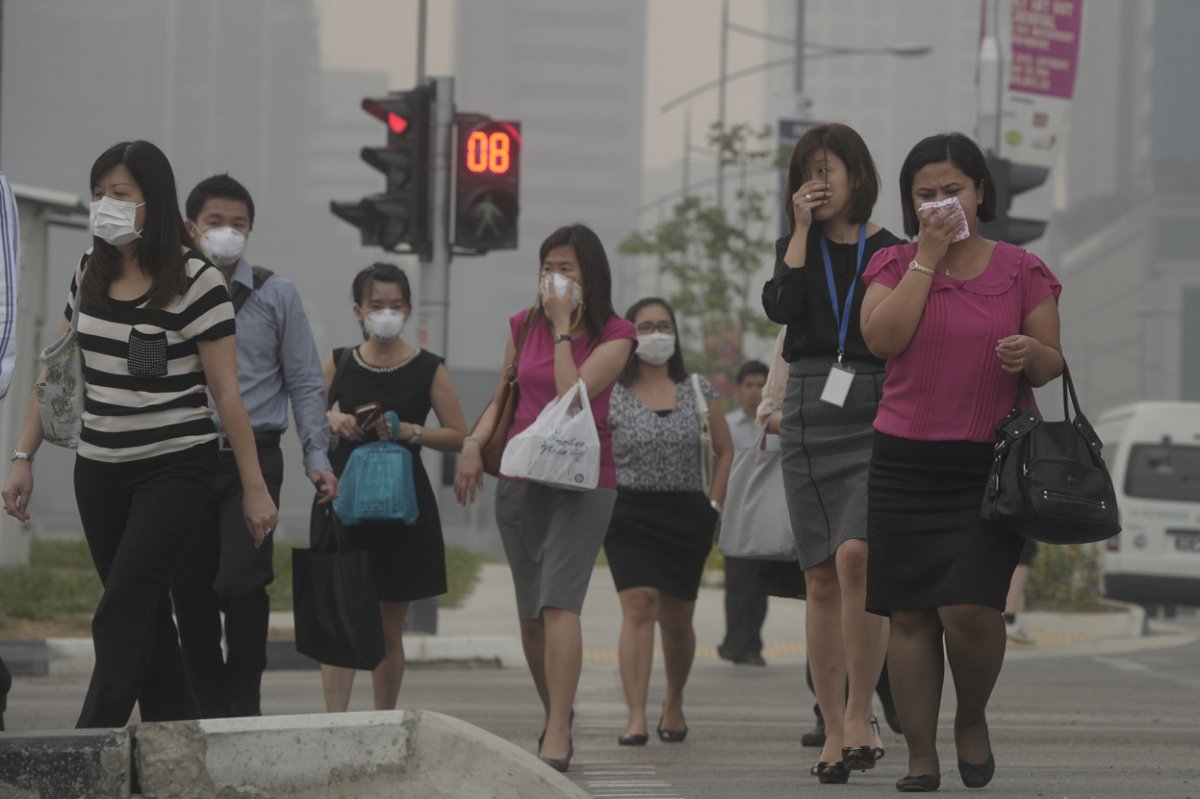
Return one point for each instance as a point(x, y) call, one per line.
point(916, 267)
point(562, 337)
point(21, 456)
point(417, 430)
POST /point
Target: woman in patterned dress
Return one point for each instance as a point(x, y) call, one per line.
point(663, 524)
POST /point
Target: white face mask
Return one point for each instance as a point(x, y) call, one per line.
point(223, 245)
point(559, 285)
point(112, 220)
point(656, 348)
point(385, 324)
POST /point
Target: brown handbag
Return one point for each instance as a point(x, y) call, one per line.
point(506, 400)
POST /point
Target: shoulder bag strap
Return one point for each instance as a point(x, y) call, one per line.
point(337, 376)
point(524, 334)
point(701, 401)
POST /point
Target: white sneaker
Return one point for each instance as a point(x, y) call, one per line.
point(1016, 633)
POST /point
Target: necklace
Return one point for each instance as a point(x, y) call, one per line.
point(385, 369)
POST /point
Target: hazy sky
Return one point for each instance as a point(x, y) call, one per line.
point(683, 51)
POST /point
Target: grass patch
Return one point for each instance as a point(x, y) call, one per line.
point(60, 585)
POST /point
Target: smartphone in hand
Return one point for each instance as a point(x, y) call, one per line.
point(366, 416)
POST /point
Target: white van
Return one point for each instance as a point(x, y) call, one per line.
point(1153, 452)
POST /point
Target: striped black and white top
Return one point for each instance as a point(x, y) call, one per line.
point(145, 384)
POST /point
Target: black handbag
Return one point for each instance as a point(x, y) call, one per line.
point(1048, 481)
point(338, 621)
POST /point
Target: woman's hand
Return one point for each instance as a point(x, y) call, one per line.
point(260, 514)
point(558, 309)
point(345, 425)
point(18, 489)
point(774, 423)
point(470, 472)
point(1017, 352)
point(938, 228)
point(808, 197)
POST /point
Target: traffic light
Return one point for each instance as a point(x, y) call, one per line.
point(400, 215)
point(488, 177)
point(1010, 180)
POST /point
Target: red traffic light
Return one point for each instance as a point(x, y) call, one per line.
point(397, 123)
point(378, 109)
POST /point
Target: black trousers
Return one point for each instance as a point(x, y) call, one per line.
point(222, 572)
point(745, 607)
point(138, 517)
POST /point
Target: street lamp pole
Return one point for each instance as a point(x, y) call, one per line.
point(721, 101)
point(798, 73)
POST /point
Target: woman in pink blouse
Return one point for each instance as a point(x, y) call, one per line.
point(552, 536)
point(958, 323)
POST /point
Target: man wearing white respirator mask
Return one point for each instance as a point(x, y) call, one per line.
point(277, 360)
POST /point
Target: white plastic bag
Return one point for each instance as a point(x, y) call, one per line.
point(560, 449)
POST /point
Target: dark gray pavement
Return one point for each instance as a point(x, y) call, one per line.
point(1120, 720)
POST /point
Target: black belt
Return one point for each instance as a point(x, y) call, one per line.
point(261, 440)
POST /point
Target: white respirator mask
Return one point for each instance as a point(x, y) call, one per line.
point(656, 348)
point(385, 324)
point(558, 285)
point(223, 245)
point(113, 220)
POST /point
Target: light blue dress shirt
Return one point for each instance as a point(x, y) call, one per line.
point(277, 358)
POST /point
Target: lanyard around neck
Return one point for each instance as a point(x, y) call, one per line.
point(842, 318)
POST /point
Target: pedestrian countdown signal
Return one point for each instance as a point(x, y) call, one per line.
point(487, 182)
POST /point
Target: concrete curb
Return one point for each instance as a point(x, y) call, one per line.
point(65, 764)
point(75, 657)
point(1125, 621)
point(407, 754)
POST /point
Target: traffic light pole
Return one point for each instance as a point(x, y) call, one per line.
point(433, 310)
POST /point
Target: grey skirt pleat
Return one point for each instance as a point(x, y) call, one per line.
point(826, 456)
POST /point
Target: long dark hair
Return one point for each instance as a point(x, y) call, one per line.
point(959, 150)
point(597, 279)
point(675, 367)
point(160, 249)
point(844, 142)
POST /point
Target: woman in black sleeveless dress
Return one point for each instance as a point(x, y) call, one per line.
point(407, 563)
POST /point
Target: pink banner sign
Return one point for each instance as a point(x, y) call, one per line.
point(1045, 46)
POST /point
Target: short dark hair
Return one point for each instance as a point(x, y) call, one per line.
point(959, 150)
point(218, 186)
point(160, 249)
point(675, 368)
point(597, 278)
point(752, 368)
point(380, 272)
point(844, 142)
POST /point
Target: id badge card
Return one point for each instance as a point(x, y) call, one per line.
point(837, 387)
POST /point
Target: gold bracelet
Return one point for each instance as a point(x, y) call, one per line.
point(916, 267)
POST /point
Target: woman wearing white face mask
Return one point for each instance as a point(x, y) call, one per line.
point(155, 328)
point(407, 563)
point(663, 524)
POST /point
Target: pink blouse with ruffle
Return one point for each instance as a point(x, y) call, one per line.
point(948, 384)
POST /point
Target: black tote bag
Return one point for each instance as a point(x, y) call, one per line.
point(338, 622)
point(1048, 481)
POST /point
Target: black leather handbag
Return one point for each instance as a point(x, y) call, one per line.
point(1048, 480)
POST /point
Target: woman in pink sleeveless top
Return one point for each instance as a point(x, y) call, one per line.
point(958, 322)
point(552, 536)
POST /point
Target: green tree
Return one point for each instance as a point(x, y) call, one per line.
point(713, 254)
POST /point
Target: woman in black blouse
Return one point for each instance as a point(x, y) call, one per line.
point(834, 386)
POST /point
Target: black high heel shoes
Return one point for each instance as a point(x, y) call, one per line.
point(832, 773)
point(860, 758)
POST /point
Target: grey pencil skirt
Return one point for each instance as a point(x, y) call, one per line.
point(826, 456)
point(551, 537)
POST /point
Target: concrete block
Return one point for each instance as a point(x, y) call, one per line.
point(65, 764)
point(25, 658)
point(378, 755)
point(70, 657)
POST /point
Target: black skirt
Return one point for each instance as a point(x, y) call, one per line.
point(660, 539)
point(927, 545)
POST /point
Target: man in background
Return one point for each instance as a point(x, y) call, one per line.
point(222, 571)
point(10, 270)
point(745, 606)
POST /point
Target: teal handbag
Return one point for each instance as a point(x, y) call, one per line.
point(377, 485)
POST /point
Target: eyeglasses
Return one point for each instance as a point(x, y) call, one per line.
point(650, 327)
